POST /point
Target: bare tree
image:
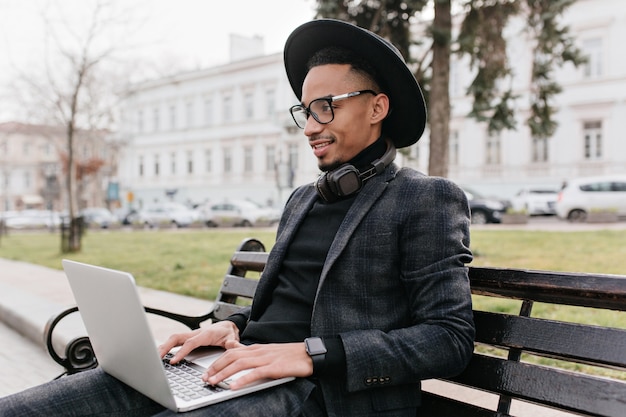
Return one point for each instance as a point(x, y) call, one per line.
point(76, 88)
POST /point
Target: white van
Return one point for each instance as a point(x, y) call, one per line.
point(582, 195)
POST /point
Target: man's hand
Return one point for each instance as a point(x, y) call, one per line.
point(218, 334)
point(276, 360)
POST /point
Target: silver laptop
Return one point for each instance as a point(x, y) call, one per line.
point(123, 343)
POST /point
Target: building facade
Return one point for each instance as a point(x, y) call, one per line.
point(213, 135)
point(33, 166)
point(225, 132)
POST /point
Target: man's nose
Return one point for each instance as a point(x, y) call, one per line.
point(312, 126)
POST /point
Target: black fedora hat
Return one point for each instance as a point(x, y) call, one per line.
point(405, 124)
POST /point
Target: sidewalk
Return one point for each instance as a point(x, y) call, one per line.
point(31, 294)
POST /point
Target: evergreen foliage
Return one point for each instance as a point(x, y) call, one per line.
point(481, 38)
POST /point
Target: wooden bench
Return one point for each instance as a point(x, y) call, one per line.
point(509, 375)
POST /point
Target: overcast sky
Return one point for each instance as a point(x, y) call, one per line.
point(186, 33)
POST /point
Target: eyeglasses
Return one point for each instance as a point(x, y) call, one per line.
point(321, 108)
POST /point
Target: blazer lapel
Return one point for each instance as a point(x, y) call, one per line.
point(368, 195)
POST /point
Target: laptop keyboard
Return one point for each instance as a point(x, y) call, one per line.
point(185, 381)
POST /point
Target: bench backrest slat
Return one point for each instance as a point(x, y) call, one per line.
point(568, 341)
point(238, 286)
point(576, 289)
point(546, 385)
point(248, 261)
point(222, 310)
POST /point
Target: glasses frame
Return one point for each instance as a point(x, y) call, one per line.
point(330, 101)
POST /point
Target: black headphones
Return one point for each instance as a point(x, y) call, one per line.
point(347, 180)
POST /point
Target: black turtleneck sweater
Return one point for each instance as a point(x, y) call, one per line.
point(288, 317)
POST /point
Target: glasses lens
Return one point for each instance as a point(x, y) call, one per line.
point(322, 110)
point(299, 115)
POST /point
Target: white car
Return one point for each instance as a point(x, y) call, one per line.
point(99, 217)
point(31, 219)
point(580, 196)
point(535, 201)
point(172, 214)
point(240, 213)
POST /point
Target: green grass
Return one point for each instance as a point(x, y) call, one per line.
point(190, 262)
point(193, 261)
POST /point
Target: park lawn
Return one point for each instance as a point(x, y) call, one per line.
point(185, 261)
point(193, 261)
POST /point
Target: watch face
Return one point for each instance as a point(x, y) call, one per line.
point(315, 346)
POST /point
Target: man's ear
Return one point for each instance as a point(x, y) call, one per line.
point(380, 108)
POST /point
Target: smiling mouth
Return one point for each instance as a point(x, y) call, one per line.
point(320, 145)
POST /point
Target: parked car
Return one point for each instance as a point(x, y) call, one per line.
point(31, 219)
point(535, 201)
point(239, 213)
point(580, 196)
point(98, 217)
point(126, 216)
point(174, 214)
point(484, 209)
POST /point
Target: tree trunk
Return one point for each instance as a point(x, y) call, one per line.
point(71, 239)
point(439, 106)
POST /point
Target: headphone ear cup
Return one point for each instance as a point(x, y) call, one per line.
point(323, 189)
point(341, 182)
point(345, 180)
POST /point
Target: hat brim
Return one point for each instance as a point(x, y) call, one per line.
point(405, 124)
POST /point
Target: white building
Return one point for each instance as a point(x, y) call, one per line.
point(225, 132)
point(591, 117)
point(216, 134)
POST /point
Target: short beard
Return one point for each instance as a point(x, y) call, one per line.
point(329, 167)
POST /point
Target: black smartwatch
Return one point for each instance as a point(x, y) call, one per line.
point(317, 351)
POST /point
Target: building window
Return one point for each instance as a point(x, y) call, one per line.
point(172, 117)
point(189, 113)
point(208, 111)
point(141, 169)
point(592, 48)
point(270, 158)
point(540, 149)
point(248, 159)
point(156, 119)
point(270, 102)
point(493, 150)
point(189, 162)
point(173, 162)
point(140, 121)
point(453, 145)
point(227, 109)
point(293, 156)
point(248, 106)
point(208, 165)
point(156, 165)
point(228, 161)
point(593, 140)
point(27, 180)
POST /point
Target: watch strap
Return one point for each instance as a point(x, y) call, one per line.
point(316, 349)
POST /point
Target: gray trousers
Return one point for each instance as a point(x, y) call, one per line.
point(94, 393)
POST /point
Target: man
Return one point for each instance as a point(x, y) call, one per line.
point(365, 292)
